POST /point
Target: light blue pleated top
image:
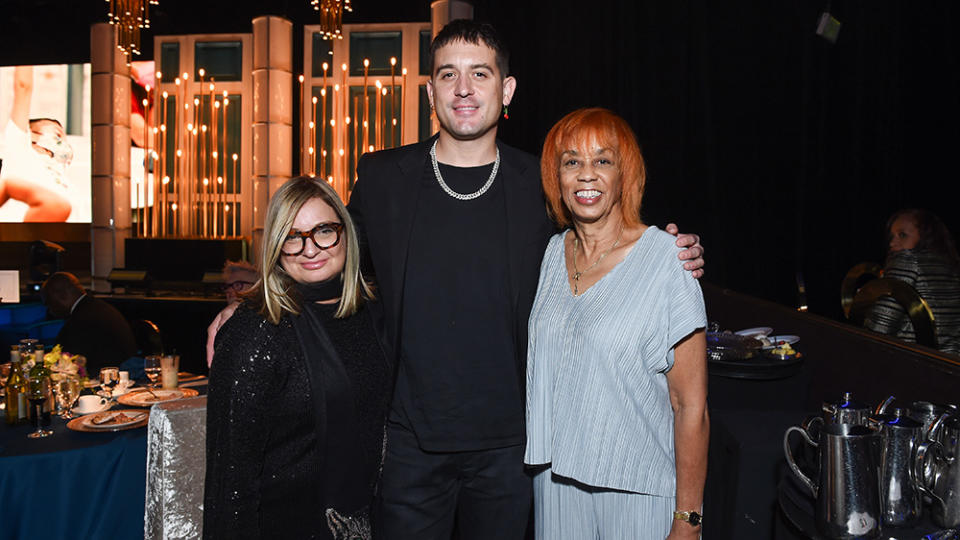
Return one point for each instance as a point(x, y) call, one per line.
point(598, 408)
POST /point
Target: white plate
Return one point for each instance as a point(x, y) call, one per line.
point(755, 332)
point(134, 417)
point(776, 340)
point(121, 389)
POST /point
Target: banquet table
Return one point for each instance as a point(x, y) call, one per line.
point(72, 484)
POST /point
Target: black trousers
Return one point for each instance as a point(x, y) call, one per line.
point(485, 493)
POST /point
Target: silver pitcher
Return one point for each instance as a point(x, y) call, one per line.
point(900, 492)
point(941, 477)
point(927, 413)
point(847, 491)
point(846, 411)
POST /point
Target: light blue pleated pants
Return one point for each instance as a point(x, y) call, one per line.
point(568, 510)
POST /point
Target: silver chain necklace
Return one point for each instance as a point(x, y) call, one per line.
point(460, 196)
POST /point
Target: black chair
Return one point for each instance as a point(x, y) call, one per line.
point(147, 336)
point(45, 259)
point(856, 278)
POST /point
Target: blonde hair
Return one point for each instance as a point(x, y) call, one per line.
point(274, 294)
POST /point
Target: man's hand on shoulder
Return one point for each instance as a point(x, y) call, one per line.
point(214, 327)
point(693, 252)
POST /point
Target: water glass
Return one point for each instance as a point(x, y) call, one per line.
point(109, 377)
point(66, 389)
point(169, 371)
point(151, 366)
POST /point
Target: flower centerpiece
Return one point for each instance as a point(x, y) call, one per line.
point(62, 363)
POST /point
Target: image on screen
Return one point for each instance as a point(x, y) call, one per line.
point(45, 143)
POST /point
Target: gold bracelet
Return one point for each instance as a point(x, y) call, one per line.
point(693, 518)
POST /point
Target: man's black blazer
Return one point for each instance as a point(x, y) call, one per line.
point(383, 204)
point(98, 331)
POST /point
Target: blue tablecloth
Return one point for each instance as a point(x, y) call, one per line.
point(71, 484)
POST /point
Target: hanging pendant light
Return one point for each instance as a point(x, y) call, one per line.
point(331, 16)
point(130, 16)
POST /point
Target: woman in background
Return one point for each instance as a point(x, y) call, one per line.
point(923, 255)
point(616, 373)
point(300, 384)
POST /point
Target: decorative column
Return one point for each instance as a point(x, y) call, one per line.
point(272, 113)
point(110, 167)
point(444, 11)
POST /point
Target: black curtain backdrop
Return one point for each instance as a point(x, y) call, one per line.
point(784, 152)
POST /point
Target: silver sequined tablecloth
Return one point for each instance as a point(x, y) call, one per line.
point(176, 463)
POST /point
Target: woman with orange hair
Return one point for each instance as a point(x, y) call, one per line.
point(616, 373)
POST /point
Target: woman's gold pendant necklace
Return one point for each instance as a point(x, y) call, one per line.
point(576, 272)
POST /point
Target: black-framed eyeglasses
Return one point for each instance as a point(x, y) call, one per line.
point(237, 286)
point(324, 236)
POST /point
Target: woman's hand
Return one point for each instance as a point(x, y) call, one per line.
point(682, 530)
point(693, 253)
point(214, 327)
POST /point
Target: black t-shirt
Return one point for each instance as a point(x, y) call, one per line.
point(457, 386)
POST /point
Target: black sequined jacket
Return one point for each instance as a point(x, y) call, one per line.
point(267, 469)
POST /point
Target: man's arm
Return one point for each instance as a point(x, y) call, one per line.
point(693, 254)
point(215, 326)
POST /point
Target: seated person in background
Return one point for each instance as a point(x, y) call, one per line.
point(238, 277)
point(921, 253)
point(93, 327)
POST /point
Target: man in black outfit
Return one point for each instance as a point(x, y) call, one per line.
point(455, 228)
point(93, 327)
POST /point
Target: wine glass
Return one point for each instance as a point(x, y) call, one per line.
point(109, 377)
point(38, 391)
point(67, 390)
point(151, 366)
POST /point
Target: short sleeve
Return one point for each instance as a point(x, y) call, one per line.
point(686, 311)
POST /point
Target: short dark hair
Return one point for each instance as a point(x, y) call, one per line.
point(475, 33)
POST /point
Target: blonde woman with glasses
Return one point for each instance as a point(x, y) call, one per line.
point(299, 383)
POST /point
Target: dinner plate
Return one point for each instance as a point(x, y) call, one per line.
point(755, 332)
point(183, 376)
point(143, 398)
point(136, 418)
point(113, 419)
point(777, 340)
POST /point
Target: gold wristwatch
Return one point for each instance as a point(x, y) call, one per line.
point(693, 518)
